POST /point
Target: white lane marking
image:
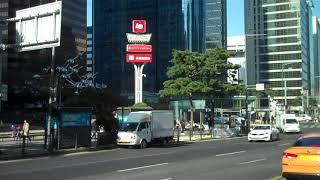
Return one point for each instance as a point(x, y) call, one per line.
point(79, 164)
point(166, 179)
point(90, 152)
point(226, 154)
point(285, 144)
point(142, 167)
point(253, 161)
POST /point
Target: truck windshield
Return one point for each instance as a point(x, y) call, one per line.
point(291, 121)
point(136, 117)
point(128, 126)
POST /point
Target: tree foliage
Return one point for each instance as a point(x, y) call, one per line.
point(199, 73)
point(104, 103)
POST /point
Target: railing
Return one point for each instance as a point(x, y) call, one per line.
point(7, 136)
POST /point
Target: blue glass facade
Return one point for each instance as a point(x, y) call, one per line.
point(194, 24)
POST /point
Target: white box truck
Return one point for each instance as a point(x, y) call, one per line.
point(143, 127)
point(288, 123)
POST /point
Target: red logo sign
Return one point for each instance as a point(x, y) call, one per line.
point(139, 26)
point(139, 48)
point(139, 58)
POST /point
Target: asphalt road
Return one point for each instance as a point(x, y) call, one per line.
point(218, 159)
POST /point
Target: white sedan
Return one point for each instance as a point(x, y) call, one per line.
point(304, 117)
point(263, 133)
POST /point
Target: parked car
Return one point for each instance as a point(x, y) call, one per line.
point(304, 117)
point(301, 161)
point(263, 133)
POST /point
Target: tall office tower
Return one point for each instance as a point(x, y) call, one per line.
point(316, 55)
point(18, 70)
point(277, 46)
point(216, 24)
point(194, 27)
point(90, 60)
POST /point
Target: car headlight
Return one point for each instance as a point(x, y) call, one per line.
point(133, 137)
point(267, 132)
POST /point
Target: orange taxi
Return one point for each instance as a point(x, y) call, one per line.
point(302, 160)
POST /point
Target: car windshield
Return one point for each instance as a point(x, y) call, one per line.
point(309, 142)
point(291, 121)
point(262, 128)
point(128, 126)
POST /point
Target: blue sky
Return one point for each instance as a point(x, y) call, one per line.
point(89, 12)
point(235, 15)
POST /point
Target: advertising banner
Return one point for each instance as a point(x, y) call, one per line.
point(139, 26)
point(139, 58)
point(75, 119)
point(139, 48)
point(138, 38)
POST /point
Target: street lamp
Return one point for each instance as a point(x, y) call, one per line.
point(285, 85)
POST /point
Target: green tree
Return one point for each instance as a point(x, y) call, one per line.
point(194, 73)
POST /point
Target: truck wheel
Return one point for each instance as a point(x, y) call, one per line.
point(164, 141)
point(143, 144)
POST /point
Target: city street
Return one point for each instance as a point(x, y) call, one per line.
point(218, 159)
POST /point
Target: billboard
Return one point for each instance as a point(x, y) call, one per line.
point(75, 119)
point(139, 58)
point(38, 27)
point(139, 26)
point(138, 38)
point(139, 48)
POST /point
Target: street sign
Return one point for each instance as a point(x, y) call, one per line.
point(139, 26)
point(139, 58)
point(38, 27)
point(139, 48)
point(259, 87)
point(138, 38)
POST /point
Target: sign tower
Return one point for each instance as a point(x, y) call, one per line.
point(139, 53)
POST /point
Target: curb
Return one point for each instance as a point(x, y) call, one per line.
point(56, 153)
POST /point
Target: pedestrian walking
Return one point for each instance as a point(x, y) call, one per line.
point(25, 130)
point(14, 132)
point(178, 124)
point(25, 134)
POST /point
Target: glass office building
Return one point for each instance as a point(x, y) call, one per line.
point(194, 24)
point(19, 69)
point(216, 24)
point(277, 44)
point(90, 60)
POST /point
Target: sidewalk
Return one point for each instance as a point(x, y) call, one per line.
point(13, 151)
